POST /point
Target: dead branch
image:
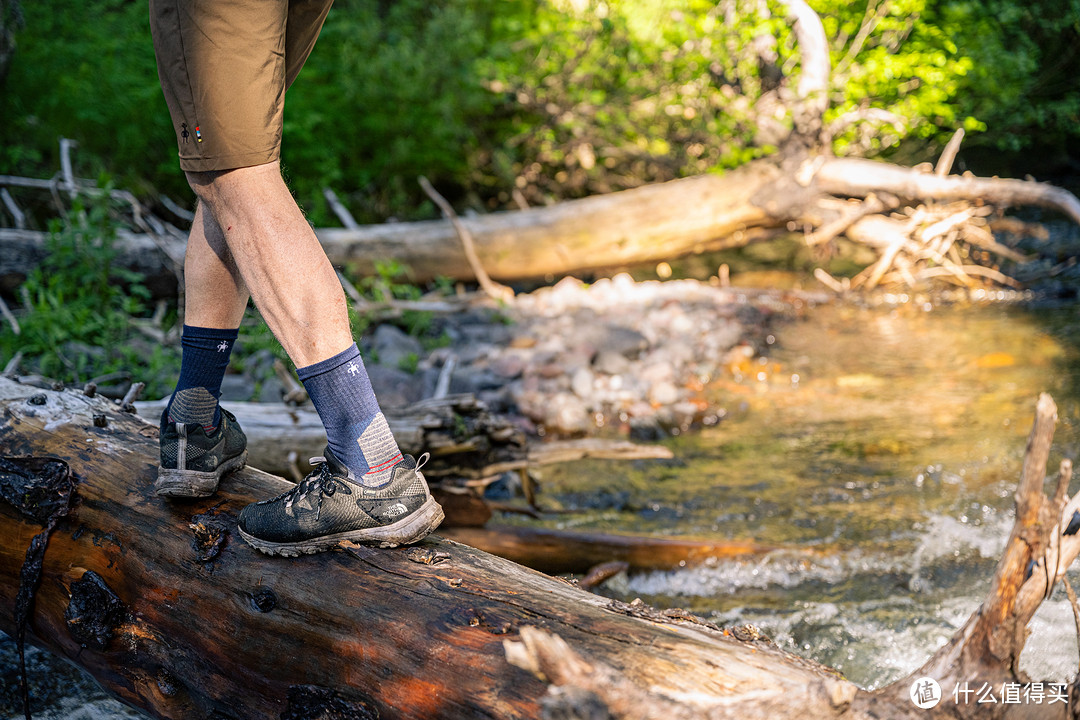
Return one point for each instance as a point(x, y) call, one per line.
point(16, 214)
point(874, 14)
point(6, 312)
point(339, 209)
point(948, 155)
point(858, 178)
point(872, 205)
point(494, 290)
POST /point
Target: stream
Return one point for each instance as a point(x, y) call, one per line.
point(880, 443)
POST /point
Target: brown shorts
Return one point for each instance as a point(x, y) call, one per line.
point(224, 67)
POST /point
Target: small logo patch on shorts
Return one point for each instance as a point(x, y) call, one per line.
point(198, 134)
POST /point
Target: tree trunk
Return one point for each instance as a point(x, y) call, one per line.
point(657, 222)
point(170, 612)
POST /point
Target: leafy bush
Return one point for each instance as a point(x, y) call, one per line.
point(554, 98)
point(78, 323)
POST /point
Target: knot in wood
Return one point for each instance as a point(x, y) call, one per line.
point(427, 556)
point(210, 535)
point(263, 599)
point(93, 612)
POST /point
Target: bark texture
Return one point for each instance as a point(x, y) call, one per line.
point(191, 622)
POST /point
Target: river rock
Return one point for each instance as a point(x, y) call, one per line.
point(508, 366)
point(239, 387)
point(565, 413)
point(394, 388)
point(271, 391)
point(663, 393)
point(394, 348)
point(621, 340)
point(610, 362)
point(581, 384)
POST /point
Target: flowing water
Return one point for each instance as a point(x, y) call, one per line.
point(882, 445)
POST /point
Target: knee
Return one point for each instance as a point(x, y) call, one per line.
point(218, 187)
point(205, 185)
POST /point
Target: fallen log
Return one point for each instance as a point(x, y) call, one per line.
point(464, 439)
point(576, 551)
point(170, 612)
point(753, 203)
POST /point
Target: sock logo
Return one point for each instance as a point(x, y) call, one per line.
point(223, 346)
point(353, 368)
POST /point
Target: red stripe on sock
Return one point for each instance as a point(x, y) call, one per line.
point(391, 462)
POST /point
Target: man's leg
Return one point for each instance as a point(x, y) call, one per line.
point(298, 293)
point(279, 260)
point(365, 489)
point(198, 446)
point(215, 299)
point(215, 294)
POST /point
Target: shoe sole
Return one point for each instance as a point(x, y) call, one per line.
point(408, 530)
point(172, 482)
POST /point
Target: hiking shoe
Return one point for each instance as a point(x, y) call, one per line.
point(329, 506)
point(193, 462)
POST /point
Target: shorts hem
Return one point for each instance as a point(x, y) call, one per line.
point(228, 162)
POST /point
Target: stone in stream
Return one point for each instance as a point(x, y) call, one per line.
point(611, 362)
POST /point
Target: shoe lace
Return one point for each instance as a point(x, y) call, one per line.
point(319, 483)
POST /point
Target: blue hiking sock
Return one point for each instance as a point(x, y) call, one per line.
point(205, 356)
point(356, 429)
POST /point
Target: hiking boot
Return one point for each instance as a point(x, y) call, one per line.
point(329, 506)
point(193, 462)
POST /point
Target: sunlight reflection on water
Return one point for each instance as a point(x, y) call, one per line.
point(893, 457)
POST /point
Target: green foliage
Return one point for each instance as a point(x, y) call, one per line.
point(909, 66)
point(78, 324)
point(391, 282)
point(85, 70)
point(554, 98)
point(1023, 84)
point(621, 94)
point(409, 363)
point(389, 94)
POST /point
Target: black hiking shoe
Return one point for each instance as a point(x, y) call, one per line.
point(329, 506)
point(192, 462)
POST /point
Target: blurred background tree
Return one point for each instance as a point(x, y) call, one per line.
point(558, 98)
